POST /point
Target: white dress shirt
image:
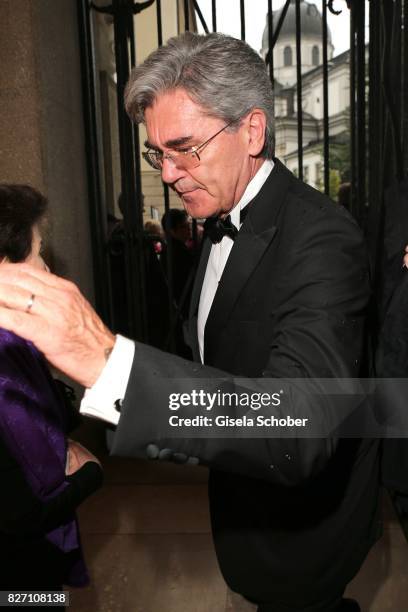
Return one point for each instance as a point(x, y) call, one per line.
point(100, 400)
point(220, 252)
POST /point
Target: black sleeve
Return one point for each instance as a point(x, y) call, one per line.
point(21, 512)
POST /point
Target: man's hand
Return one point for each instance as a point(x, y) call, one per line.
point(406, 257)
point(52, 313)
point(77, 456)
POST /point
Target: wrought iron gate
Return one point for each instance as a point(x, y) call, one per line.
point(375, 154)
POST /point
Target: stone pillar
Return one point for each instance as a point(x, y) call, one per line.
point(41, 123)
point(20, 142)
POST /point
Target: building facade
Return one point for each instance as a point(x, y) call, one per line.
point(286, 111)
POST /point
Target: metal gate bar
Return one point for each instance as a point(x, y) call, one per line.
point(326, 135)
point(186, 15)
point(214, 14)
point(357, 109)
point(169, 267)
point(299, 88)
point(242, 15)
point(270, 41)
point(404, 127)
point(97, 221)
point(123, 12)
point(130, 176)
point(200, 16)
point(375, 132)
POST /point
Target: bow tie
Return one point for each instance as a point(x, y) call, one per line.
point(216, 228)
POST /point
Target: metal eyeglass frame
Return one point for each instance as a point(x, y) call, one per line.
point(179, 158)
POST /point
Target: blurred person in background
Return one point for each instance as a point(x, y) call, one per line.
point(177, 225)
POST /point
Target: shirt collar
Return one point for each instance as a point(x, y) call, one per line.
point(252, 189)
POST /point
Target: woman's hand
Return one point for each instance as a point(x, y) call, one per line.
point(77, 456)
point(406, 257)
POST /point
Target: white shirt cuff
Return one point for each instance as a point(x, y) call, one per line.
point(99, 400)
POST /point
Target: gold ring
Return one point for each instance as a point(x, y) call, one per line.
point(30, 303)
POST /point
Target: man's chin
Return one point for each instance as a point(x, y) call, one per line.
point(197, 206)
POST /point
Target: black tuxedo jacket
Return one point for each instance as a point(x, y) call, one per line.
point(291, 303)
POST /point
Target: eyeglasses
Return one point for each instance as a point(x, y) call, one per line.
point(183, 159)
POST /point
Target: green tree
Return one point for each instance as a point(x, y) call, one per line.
point(334, 183)
point(339, 159)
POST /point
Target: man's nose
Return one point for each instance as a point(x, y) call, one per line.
point(170, 173)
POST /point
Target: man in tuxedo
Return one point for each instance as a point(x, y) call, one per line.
point(280, 292)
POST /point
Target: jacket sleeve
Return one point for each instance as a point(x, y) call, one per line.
point(21, 512)
point(317, 333)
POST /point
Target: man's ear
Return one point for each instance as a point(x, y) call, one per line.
point(256, 131)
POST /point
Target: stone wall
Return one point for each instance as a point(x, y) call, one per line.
point(41, 123)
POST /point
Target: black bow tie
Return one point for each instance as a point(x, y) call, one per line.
point(216, 228)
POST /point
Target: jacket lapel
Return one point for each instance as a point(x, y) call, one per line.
point(254, 237)
point(195, 298)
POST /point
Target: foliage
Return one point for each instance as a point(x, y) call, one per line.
point(334, 183)
point(339, 160)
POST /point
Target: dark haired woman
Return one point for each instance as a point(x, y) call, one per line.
point(44, 476)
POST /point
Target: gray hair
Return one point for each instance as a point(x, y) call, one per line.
point(222, 74)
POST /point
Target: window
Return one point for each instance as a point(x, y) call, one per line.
point(318, 171)
point(315, 56)
point(287, 56)
point(306, 174)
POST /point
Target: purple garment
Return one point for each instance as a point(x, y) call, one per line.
point(33, 424)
